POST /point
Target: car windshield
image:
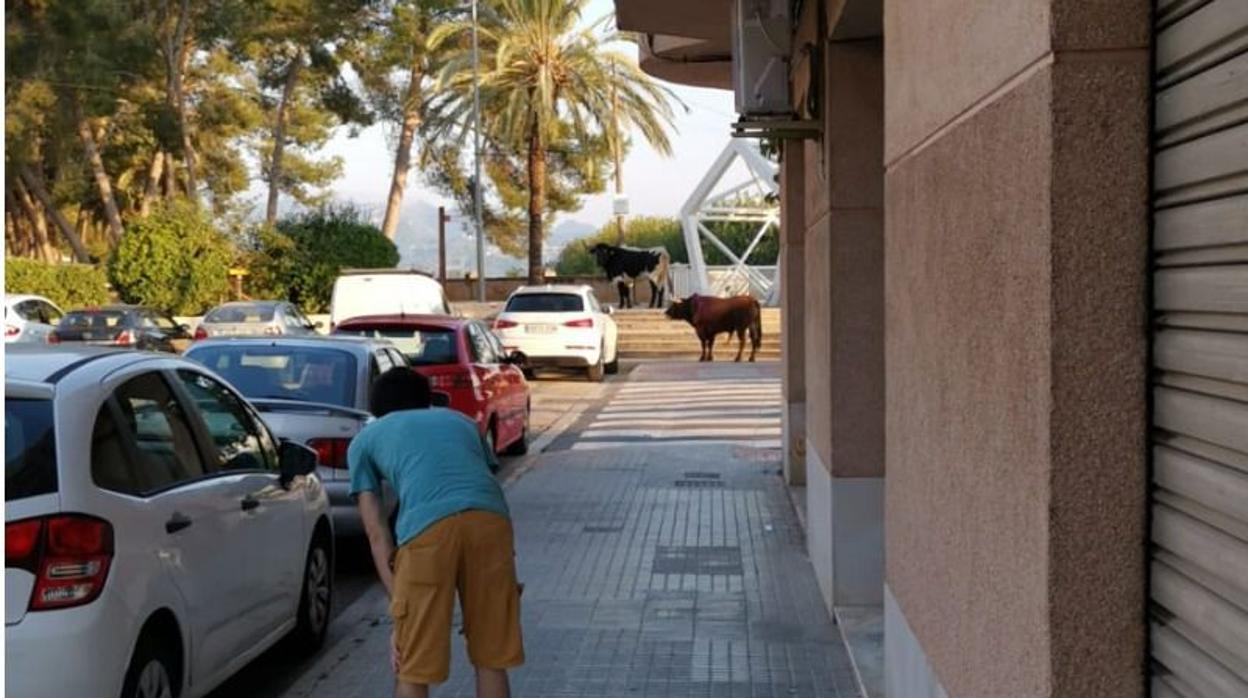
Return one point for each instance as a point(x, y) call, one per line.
point(93, 319)
point(545, 303)
point(29, 448)
point(242, 312)
point(307, 374)
point(424, 346)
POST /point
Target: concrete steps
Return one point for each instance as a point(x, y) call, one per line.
point(649, 334)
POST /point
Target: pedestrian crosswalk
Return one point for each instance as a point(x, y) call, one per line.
point(684, 412)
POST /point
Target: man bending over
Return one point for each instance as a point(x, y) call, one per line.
point(454, 536)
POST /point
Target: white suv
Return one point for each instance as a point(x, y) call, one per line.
point(157, 538)
point(562, 326)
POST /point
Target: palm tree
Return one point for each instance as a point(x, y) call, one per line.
point(544, 81)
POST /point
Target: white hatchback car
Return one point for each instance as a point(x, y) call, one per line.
point(157, 537)
point(29, 318)
point(560, 326)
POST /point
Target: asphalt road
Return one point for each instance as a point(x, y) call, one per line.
point(558, 401)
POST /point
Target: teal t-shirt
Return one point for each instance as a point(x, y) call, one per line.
point(436, 462)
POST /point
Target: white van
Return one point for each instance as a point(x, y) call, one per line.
point(359, 292)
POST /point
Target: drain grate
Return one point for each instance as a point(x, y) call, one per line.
point(701, 475)
point(603, 529)
point(700, 483)
point(697, 559)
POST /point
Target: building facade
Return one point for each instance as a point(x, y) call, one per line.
point(1015, 292)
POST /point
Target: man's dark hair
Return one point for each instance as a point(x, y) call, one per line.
point(399, 389)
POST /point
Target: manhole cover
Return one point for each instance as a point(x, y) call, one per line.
point(698, 559)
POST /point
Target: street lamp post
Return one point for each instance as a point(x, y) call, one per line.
point(476, 157)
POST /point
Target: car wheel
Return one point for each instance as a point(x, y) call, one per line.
point(614, 367)
point(316, 599)
point(596, 371)
point(520, 446)
point(491, 440)
point(151, 673)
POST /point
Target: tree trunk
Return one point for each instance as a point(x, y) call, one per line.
point(41, 245)
point(403, 155)
point(102, 182)
point(35, 185)
point(152, 189)
point(279, 138)
point(171, 176)
point(177, 53)
point(537, 203)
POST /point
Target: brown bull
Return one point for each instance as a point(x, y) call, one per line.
point(712, 316)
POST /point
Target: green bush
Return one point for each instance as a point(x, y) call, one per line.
point(175, 260)
point(301, 258)
point(67, 285)
point(646, 232)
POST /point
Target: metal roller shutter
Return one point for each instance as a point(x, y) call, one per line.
point(1199, 566)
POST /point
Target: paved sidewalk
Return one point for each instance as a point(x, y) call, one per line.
point(676, 569)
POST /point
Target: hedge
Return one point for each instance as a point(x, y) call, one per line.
point(67, 285)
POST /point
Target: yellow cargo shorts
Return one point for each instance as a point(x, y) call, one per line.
point(471, 553)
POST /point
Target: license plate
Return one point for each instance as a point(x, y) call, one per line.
point(539, 329)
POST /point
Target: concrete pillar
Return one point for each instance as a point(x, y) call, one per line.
point(1017, 191)
point(845, 328)
point(792, 307)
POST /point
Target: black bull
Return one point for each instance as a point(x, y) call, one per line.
point(626, 263)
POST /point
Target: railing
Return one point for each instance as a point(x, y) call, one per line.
point(726, 280)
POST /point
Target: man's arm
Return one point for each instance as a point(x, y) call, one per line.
point(379, 540)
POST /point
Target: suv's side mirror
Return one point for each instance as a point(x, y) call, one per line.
point(437, 398)
point(295, 459)
point(608, 309)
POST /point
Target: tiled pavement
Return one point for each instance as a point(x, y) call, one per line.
point(671, 569)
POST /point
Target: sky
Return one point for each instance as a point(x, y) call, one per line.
point(655, 185)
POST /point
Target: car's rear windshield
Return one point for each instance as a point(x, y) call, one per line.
point(424, 346)
point(308, 374)
point(545, 303)
point(29, 448)
point(93, 319)
point(243, 312)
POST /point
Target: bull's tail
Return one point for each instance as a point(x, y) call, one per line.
point(756, 330)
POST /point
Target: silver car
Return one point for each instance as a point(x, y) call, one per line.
point(310, 390)
point(255, 319)
point(29, 318)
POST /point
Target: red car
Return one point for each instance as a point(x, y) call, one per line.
point(462, 358)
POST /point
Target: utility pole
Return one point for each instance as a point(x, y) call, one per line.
point(615, 155)
point(443, 219)
point(476, 156)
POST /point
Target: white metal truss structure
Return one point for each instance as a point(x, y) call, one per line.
point(719, 197)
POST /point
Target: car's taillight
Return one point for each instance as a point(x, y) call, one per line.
point(453, 381)
point(69, 554)
point(583, 322)
point(53, 337)
point(201, 333)
point(505, 324)
point(125, 338)
point(11, 331)
point(331, 453)
point(21, 543)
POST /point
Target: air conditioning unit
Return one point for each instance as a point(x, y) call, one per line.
point(761, 47)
